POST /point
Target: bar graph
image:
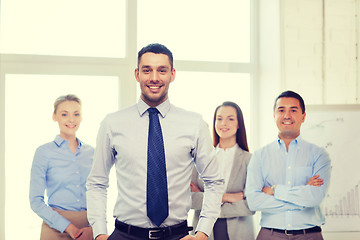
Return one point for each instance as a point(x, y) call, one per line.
point(347, 205)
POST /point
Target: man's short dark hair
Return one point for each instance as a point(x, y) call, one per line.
point(158, 49)
point(291, 94)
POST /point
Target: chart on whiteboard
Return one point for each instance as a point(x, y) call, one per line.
point(339, 133)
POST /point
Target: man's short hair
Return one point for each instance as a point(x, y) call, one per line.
point(158, 49)
point(291, 94)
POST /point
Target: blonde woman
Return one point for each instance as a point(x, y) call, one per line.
point(229, 138)
point(61, 168)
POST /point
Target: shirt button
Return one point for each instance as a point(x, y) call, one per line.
point(77, 172)
point(289, 182)
point(289, 225)
point(289, 167)
point(77, 185)
point(78, 200)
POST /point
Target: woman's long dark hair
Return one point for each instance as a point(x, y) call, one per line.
point(240, 133)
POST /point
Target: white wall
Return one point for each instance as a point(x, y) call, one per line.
point(2, 156)
point(319, 49)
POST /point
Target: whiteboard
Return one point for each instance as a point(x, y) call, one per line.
point(337, 129)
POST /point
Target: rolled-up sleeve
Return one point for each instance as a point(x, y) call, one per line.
point(208, 169)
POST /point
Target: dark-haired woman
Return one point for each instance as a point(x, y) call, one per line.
point(229, 138)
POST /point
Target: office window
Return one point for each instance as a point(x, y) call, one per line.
point(201, 30)
point(202, 92)
point(29, 124)
point(65, 28)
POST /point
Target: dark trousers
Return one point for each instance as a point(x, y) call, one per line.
point(118, 235)
point(220, 229)
point(266, 234)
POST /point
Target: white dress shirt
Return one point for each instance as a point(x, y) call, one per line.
point(225, 157)
point(122, 140)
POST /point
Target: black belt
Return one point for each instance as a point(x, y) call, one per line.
point(153, 233)
point(296, 232)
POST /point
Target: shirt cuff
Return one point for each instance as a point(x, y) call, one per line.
point(62, 224)
point(99, 228)
point(281, 192)
point(205, 226)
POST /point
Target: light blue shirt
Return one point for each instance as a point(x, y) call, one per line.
point(295, 205)
point(122, 140)
point(62, 174)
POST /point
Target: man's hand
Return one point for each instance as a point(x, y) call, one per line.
point(315, 181)
point(232, 197)
point(102, 237)
point(268, 190)
point(194, 187)
point(198, 236)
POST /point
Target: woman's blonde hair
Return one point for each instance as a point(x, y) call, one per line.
point(69, 97)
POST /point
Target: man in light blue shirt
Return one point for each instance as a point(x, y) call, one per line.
point(123, 141)
point(288, 178)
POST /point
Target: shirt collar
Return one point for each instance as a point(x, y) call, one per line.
point(59, 141)
point(163, 108)
point(228, 150)
point(296, 141)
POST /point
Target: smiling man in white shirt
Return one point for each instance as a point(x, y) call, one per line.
point(123, 141)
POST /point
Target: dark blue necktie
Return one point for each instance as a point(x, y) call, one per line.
point(156, 193)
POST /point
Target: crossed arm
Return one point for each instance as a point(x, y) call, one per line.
point(227, 197)
point(262, 198)
point(314, 181)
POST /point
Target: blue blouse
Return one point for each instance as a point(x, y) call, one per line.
point(63, 175)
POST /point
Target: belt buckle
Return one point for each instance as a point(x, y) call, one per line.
point(288, 234)
point(151, 232)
